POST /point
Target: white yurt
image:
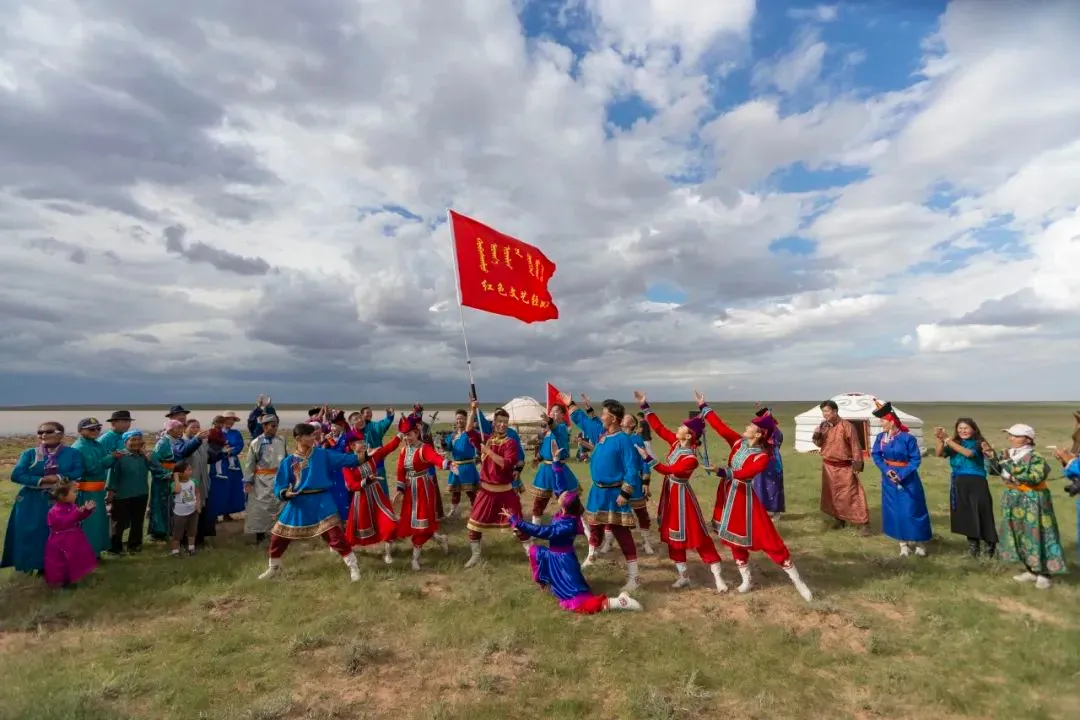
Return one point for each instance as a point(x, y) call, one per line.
point(859, 409)
point(526, 416)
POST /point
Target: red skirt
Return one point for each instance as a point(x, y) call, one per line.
point(371, 517)
point(742, 521)
point(419, 508)
point(487, 510)
point(682, 524)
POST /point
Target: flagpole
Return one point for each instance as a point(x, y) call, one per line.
point(460, 306)
point(461, 315)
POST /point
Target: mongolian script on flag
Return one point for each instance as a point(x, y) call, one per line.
point(500, 274)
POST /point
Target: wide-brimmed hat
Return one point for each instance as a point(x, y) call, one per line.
point(229, 415)
point(120, 415)
point(177, 410)
point(1021, 430)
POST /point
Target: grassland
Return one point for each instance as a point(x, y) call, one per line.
point(944, 637)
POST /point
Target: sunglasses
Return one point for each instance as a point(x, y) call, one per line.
point(43, 433)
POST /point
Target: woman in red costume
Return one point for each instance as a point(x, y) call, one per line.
point(371, 519)
point(682, 524)
point(417, 492)
point(741, 521)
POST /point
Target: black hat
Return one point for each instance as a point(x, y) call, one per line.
point(312, 412)
point(762, 412)
point(177, 410)
point(882, 410)
point(120, 415)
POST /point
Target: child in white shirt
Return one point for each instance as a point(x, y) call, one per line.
point(185, 516)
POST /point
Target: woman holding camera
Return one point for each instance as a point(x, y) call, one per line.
point(1029, 527)
point(1071, 461)
point(971, 507)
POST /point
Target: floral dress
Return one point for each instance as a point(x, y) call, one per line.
point(1029, 529)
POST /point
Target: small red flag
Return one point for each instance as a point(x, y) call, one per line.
point(554, 397)
point(500, 274)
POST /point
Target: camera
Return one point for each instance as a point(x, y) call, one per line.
point(1073, 488)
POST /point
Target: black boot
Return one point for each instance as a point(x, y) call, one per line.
point(973, 548)
point(259, 537)
point(991, 550)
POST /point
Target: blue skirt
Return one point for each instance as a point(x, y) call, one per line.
point(602, 508)
point(307, 516)
point(546, 484)
point(904, 516)
point(466, 478)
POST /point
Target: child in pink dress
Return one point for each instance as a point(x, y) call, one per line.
point(68, 554)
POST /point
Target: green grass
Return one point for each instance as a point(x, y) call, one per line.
point(944, 637)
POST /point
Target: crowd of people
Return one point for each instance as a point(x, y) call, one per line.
point(92, 499)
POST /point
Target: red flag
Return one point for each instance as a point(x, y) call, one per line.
point(554, 397)
point(500, 274)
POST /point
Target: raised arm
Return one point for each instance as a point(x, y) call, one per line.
point(591, 427)
point(380, 454)
point(657, 425)
point(381, 426)
point(719, 425)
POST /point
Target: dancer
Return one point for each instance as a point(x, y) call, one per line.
point(896, 453)
point(556, 567)
point(416, 491)
point(464, 442)
point(69, 556)
point(265, 454)
point(639, 501)
point(303, 482)
point(682, 524)
point(499, 490)
point(971, 507)
point(842, 495)
point(1029, 525)
point(554, 448)
point(741, 522)
point(590, 426)
point(615, 468)
point(371, 519)
point(769, 485)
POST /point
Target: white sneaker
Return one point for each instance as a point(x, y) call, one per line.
point(590, 559)
point(1026, 577)
point(646, 546)
point(387, 557)
point(631, 577)
point(1043, 583)
point(623, 602)
point(797, 581)
point(353, 564)
point(272, 570)
point(453, 511)
point(905, 551)
point(416, 559)
point(682, 581)
point(609, 542)
point(920, 551)
point(744, 573)
point(721, 586)
point(474, 559)
point(444, 543)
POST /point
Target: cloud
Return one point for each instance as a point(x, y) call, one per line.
point(201, 200)
point(198, 252)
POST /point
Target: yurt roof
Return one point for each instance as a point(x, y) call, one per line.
point(854, 405)
point(524, 411)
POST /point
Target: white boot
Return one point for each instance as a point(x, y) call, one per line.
point(474, 559)
point(353, 565)
point(920, 550)
point(744, 573)
point(645, 545)
point(609, 542)
point(416, 559)
point(453, 510)
point(721, 586)
point(623, 602)
point(526, 545)
point(797, 580)
point(444, 542)
point(631, 577)
point(905, 550)
point(682, 581)
point(272, 570)
point(1043, 583)
point(590, 559)
point(1026, 576)
point(536, 519)
point(387, 557)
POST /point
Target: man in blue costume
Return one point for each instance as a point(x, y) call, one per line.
point(554, 449)
point(303, 483)
point(615, 467)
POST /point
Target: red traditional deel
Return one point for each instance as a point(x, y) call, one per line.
point(500, 274)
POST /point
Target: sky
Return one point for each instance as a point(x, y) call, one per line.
point(762, 200)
